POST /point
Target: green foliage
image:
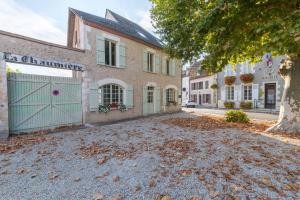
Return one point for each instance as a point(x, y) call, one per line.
point(229, 104)
point(246, 105)
point(10, 70)
point(236, 116)
point(214, 86)
point(227, 32)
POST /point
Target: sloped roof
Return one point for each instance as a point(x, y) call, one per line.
point(120, 24)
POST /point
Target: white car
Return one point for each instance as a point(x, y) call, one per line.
point(191, 104)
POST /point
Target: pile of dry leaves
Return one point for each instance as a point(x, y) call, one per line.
point(18, 142)
point(213, 123)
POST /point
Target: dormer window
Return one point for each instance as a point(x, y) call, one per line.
point(110, 53)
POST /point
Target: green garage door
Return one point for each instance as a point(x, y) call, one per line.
point(42, 102)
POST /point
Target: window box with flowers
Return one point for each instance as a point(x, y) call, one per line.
point(247, 78)
point(229, 80)
point(111, 98)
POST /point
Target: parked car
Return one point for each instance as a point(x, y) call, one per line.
point(191, 104)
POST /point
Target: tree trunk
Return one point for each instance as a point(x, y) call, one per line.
point(289, 117)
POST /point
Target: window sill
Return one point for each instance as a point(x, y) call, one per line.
point(151, 72)
point(115, 67)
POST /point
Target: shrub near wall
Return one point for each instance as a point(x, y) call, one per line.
point(229, 104)
point(236, 116)
point(246, 105)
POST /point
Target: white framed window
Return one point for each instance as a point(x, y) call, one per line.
point(207, 98)
point(110, 52)
point(206, 84)
point(170, 95)
point(247, 92)
point(230, 93)
point(150, 94)
point(150, 62)
point(110, 94)
point(168, 70)
point(200, 85)
point(247, 67)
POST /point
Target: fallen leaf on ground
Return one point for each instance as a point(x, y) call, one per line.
point(98, 196)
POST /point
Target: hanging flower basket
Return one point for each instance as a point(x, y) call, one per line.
point(229, 80)
point(214, 86)
point(247, 78)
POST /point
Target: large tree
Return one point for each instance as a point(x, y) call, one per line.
point(232, 31)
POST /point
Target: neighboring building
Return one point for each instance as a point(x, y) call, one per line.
point(119, 63)
point(264, 91)
point(200, 87)
point(185, 87)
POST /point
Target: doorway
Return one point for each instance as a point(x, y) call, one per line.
point(270, 95)
point(200, 99)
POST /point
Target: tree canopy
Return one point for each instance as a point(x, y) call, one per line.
point(228, 31)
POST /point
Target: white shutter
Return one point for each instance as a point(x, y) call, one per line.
point(164, 66)
point(157, 99)
point(239, 89)
point(157, 63)
point(145, 104)
point(235, 93)
point(173, 67)
point(129, 96)
point(164, 97)
point(93, 97)
point(255, 92)
point(122, 56)
point(100, 51)
point(223, 94)
point(145, 59)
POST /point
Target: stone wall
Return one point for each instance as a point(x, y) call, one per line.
point(3, 100)
point(133, 74)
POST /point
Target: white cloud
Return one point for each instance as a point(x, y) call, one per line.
point(19, 19)
point(145, 20)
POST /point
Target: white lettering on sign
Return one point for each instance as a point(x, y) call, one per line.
point(30, 60)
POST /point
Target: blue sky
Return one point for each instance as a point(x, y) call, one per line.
point(47, 20)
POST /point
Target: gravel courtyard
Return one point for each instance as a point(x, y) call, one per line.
point(166, 157)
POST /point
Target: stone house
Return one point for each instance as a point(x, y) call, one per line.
point(118, 63)
point(264, 91)
point(200, 87)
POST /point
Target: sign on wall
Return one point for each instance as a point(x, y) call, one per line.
point(31, 60)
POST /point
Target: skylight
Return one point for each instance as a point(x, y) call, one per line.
point(141, 34)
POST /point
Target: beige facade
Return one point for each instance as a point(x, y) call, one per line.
point(132, 75)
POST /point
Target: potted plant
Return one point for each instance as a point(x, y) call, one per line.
point(229, 80)
point(214, 86)
point(247, 78)
point(229, 104)
point(247, 105)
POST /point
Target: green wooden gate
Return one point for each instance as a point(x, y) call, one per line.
point(43, 102)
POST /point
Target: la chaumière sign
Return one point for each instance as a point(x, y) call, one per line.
point(31, 60)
